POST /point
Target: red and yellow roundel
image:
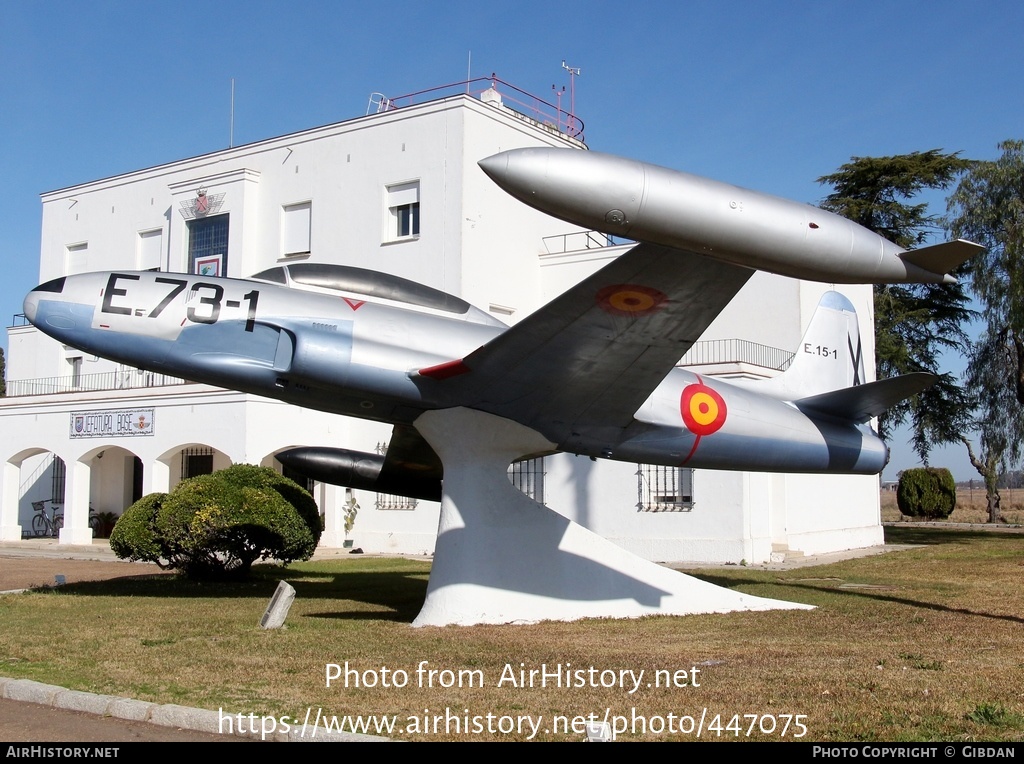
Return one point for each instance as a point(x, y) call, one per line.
point(630, 299)
point(703, 409)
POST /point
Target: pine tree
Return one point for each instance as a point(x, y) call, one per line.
point(914, 323)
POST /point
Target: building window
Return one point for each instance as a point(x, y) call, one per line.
point(664, 489)
point(208, 246)
point(391, 501)
point(196, 461)
point(403, 211)
point(59, 475)
point(408, 218)
point(528, 477)
point(137, 474)
point(77, 258)
point(295, 229)
point(149, 255)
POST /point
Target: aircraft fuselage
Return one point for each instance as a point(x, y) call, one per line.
point(363, 355)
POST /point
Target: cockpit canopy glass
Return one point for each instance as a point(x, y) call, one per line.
point(347, 278)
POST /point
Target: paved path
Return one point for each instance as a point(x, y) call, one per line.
point(23, 722)
point(31, 712)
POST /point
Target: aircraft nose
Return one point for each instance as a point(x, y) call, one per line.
point(495, 167)
point(520, 172)
point(31, 305)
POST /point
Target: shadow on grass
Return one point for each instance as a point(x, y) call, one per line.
point(779, 588)
point(927, 536)
point(398, 587)
point(401, 592)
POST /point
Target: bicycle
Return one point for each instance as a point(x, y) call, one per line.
point(42, 525)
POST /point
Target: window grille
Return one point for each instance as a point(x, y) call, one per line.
point(196, 461)
point(59, 474)
point(528, 477)
point(664, 489)
point(208, 246)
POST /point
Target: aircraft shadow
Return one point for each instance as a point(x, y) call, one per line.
point(861, 593)
point(401, 593)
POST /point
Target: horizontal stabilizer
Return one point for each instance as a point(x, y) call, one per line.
point(943, 258)
point(860, 403)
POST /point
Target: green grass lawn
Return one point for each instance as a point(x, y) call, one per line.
point(916, 645)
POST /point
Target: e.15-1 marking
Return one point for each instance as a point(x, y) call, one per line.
point(213, 300)
point(825, 352)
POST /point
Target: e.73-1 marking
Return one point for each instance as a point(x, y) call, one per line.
point(211, 300)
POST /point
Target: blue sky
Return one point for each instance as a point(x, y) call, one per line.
point(769, 95)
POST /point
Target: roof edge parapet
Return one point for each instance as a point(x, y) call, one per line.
point(527, 108)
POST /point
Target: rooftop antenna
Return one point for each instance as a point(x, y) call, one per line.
point(558, 96)
point(231, 129)
point(574, 72)
point(469, 70)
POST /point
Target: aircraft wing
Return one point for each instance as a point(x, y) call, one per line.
point(593, 355)
point(409, 454)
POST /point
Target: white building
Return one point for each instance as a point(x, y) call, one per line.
point(397, 191)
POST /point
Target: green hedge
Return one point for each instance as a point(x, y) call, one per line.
point(928, 492)
point(218, 525)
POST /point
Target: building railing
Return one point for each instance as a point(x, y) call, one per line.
point(708, 352)
point(519, 101)
point(577, 241)
point(19, 319)
point(128, 379)
point(702, 353)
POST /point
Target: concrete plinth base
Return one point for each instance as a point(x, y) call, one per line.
point(10, 533)
point(80, 536)
point(503, 558)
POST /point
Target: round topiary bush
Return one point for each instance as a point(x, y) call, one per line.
point(928, 492)
point(217, 526)
point(134, 536)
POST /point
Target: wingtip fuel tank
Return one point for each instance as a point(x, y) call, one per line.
point(655, 204)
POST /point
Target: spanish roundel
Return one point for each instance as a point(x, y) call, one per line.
point(630, 299)
point(703, 409)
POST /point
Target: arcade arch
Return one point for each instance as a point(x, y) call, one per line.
point(33, 474)
point(184, 461)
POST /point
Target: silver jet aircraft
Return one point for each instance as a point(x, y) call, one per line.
point(593, 371)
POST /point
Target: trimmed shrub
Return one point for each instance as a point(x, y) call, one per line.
point(217, 526)
point(134, 536)
point(928, 492)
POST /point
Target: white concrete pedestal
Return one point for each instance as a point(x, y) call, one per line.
point(501, 557)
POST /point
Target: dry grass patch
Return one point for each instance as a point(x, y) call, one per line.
point(919, 645)
point(970, 506)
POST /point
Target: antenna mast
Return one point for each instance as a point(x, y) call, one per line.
point(574, 72)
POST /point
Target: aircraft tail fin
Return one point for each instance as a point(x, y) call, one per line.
point(943, 258)
point(826, 376)
point(828, 358)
